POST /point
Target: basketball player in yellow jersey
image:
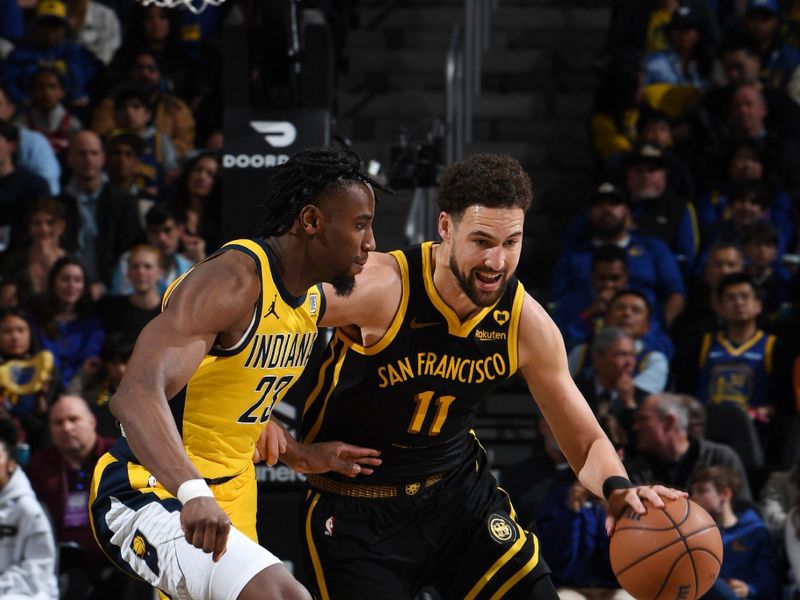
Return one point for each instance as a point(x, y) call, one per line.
point(234, 335)
point(425, 335)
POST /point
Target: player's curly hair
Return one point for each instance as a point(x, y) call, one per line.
point(303, 179)
point(491, 180)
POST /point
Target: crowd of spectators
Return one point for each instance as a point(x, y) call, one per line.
point(110, 129)
point(677, 290)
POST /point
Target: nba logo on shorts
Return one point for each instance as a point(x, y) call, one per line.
point(329, 526)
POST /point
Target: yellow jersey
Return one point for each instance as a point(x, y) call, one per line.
point(227, 402)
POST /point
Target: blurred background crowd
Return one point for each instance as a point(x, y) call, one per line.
point(675, 287)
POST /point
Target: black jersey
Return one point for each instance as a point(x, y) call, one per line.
point(414, 393)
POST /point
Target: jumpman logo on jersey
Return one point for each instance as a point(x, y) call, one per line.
point(272, 310)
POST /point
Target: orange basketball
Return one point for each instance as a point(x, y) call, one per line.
point(673, 552)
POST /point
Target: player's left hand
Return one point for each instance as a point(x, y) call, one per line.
point(271, 443)
point(338, 457)
point(622, 500)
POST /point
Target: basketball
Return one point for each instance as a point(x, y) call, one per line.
point(672, 552)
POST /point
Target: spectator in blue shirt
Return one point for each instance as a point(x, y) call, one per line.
point(748, 564)
point(651, 265)
point(49, 46)
point(579, 313)
point(33, 150)
point(684, 62)
point(761, 24)
point(760, 247)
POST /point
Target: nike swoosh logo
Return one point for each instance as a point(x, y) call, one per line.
point(414, 324)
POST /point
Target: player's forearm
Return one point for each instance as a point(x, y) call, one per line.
point(601, 463)
point(153, 437)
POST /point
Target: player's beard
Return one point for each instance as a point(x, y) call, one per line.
point(344, 285)
point(467, 284)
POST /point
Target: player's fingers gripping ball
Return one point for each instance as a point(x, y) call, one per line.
point(671, 552)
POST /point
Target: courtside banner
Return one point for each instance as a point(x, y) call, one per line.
point(254, 141)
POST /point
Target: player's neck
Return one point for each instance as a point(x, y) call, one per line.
point(289, 256)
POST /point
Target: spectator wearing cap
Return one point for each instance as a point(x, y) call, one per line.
point(94, 26)
point(133, 112)
point(580, 312)
point(47, 113)
point(102, 219)
point(780, 61)
point(684, 62)
point(651, 265)
point(764, 265)
point(125, 149)
point(33, 150)
point(171, 114)
point(655, 210)
point(49, 46)
point(18, 187)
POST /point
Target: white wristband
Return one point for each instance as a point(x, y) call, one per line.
point(193, 488)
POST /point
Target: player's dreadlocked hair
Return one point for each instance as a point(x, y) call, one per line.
point(302, 179)
point(493, 180)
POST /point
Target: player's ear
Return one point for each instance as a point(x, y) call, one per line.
point(445, 226)
point(309, 219)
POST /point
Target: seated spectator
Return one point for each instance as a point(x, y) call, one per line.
point(630, 311)
point(47, 114)
point(124, 316)
point(747, 165)
point(610, 388)
point(741, 365)
point(197, 193)
point(655, 210)
point(651, 265)
point(133, 113)
point(655, 127)
point(94, 26)
point(748, 563)
point(762, 24)
point(760, 244)
point(26, 269)
point(685, 61)
point(579, 313)
point(67, 325)
point(571, 523)
point(61, 475)
point(748, 120)
point(98, 387)
point(17, 187)
point(102, 220)
point(700, 316)
point(28, 561)
point(33, 150)
point(667, 455)
point(28, 377)
point(164, 230)
point(49, 46)
point(171, 115)
point(125, 169)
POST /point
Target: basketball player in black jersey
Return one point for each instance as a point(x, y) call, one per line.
point(426, 334)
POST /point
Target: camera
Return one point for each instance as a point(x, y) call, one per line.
point(417, 163)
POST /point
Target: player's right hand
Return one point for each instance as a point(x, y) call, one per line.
point(206, 526)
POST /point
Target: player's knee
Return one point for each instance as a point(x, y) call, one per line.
point(276, 583)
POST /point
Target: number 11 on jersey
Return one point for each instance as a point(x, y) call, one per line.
point(423, 401)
